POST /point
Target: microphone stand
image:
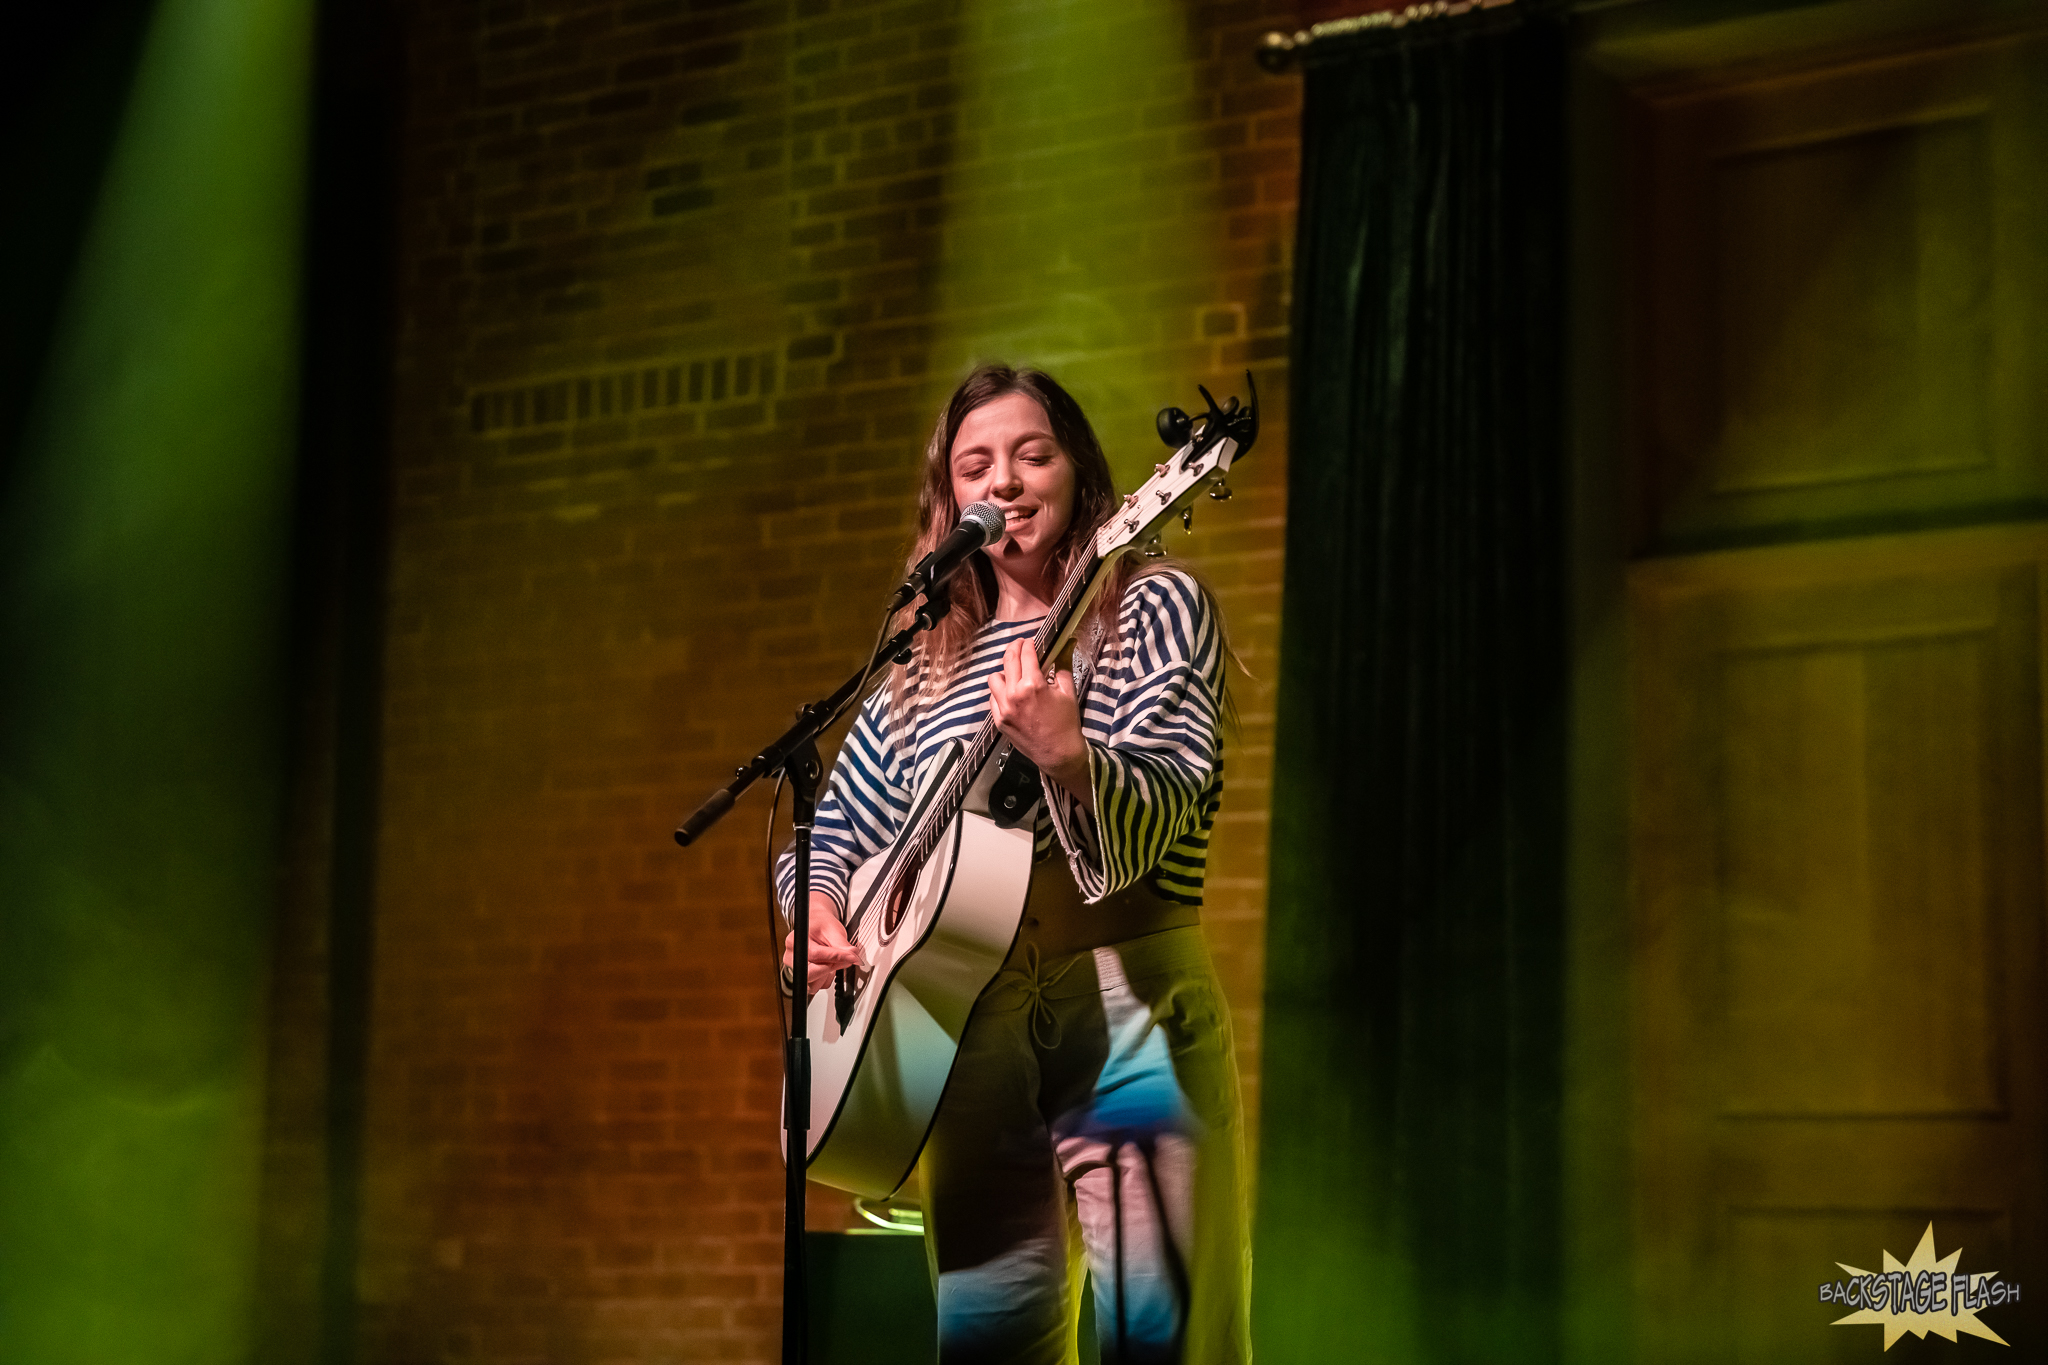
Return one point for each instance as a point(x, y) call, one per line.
point(795, 754)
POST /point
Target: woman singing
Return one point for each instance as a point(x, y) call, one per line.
point(1093, 1107)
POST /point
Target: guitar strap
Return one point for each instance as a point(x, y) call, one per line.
point(1086, 645)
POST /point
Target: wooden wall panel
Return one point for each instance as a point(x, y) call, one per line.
point(1839, 270)
point(1853, 292)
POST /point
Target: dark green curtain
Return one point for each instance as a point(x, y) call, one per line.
point(1409, 1195)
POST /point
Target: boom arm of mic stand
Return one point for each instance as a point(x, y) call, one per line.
point(810, 722)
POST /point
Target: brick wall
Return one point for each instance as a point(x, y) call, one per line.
point(682, 286)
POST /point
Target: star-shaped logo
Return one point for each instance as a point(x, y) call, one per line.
point(1923, 1295)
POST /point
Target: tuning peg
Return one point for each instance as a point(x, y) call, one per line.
point(1176, 428)
point(1154, 550)
point(1187, 519)
point(1219, 491)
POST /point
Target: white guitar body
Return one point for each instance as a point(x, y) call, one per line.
point(876, 1081)
point(938, 911)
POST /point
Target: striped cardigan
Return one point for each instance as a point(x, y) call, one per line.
point(1150, 713)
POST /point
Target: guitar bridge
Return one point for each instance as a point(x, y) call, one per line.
point(847, 984)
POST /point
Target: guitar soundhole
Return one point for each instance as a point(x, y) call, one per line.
point(898, 904)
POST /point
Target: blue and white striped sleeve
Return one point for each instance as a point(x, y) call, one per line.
point(1151, 720)
point(864, 805)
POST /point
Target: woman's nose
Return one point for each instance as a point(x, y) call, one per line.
point(1005, 481)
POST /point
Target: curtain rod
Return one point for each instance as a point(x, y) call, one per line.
point(1277, 51)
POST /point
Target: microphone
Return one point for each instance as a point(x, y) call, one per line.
point(981, 524)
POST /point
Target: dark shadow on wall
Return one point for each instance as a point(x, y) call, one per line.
point(65, 70)
point(321, 968)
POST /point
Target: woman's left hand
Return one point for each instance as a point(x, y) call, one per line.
point(1042, 719)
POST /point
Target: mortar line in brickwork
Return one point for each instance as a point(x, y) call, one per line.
point(590, 395)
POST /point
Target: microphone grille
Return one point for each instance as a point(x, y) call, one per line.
point(986, 516)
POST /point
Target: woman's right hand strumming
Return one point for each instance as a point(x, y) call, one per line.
point(829, 950)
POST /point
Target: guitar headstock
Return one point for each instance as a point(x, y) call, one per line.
point(1208, 444)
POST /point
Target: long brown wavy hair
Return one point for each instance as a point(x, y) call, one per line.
point(941, 649)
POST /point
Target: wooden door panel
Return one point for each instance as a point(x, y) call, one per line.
point(1837, 814)
point(1851, 876)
